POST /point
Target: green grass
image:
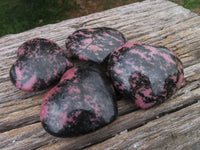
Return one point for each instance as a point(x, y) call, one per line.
point(112, 3)
point(20, 15)
point(190, 4)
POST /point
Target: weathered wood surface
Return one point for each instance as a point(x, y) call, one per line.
point(174, 124)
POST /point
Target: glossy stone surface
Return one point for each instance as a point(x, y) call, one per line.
point(41, 63)
point(94, 44)
point(83, 101)
point(146, 74)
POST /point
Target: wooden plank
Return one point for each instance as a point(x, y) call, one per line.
point(174, 131)
point(155, 22)
point(125, 122)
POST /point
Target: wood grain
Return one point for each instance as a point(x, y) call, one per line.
point(170, 125)
point(173, 131)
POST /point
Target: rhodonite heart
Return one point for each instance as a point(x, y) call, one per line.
point(146, 74)
point(41, 63)
point(94, 44)
point(83, 101)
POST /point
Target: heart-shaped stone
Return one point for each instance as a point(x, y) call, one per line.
point(41, 63)
point(94, 44)
point(83, 101)
point(147, 74)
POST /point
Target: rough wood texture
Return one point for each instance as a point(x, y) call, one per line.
point(174, 124)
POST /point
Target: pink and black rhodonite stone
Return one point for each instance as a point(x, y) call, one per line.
point(83, 101)
point(94, 44)
point(41, 63)
point(147, 74)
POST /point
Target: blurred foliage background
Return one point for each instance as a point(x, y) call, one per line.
point(20, 15)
